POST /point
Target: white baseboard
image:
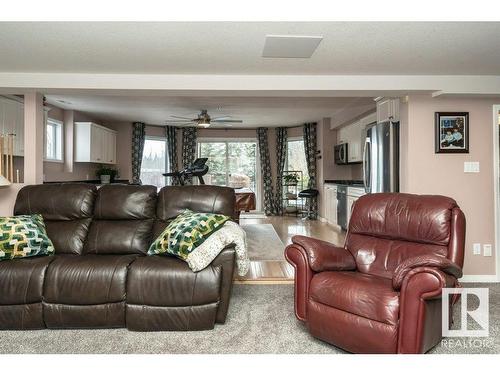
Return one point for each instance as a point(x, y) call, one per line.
point(479, 279)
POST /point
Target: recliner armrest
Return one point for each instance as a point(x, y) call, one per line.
point(323, 256)
point(431, 261)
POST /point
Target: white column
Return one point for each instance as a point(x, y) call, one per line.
point(69, 117)
point(33, 138)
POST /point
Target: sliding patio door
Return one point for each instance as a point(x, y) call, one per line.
point(231, 163)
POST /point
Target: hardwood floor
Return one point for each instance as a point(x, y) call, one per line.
point(279, 271)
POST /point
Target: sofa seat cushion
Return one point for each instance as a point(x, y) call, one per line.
point(360, 294)
point(87, 280)
point(21, 280)
point(168, 281)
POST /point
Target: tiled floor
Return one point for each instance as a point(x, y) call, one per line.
point(279, 272)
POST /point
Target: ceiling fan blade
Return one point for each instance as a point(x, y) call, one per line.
point(182, 118)
point(228, 121)
point(180, 121)
point(221, 118)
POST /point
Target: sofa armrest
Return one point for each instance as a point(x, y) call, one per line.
point(323, 256)
point(424, 262)
point(227, 261)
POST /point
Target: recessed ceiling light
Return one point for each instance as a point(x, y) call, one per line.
point(290, 46)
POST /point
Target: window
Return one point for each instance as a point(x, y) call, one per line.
point(54, 140)
point(296, 159)
point(154, 162)
point(230, 163)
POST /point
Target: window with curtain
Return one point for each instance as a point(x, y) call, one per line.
point(296, 159)
point(154, 162)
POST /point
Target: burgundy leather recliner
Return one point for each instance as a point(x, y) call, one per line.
point(381, 292)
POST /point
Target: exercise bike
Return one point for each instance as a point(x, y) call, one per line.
point(198, 168)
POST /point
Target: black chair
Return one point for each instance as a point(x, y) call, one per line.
point(309, 195)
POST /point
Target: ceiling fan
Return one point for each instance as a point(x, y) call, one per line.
point(203, 120)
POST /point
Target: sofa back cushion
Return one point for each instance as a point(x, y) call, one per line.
point(123, 220)
point(66, 209)
point(173, 200)
point(387, 228)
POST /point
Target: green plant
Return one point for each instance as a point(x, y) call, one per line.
point(291, 179)
point(104, 170)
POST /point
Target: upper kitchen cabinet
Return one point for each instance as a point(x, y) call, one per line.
point(354, 135)
point(387, 109)
point(94, 143)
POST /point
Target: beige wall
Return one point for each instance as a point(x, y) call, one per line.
point(424, 172)
point(56, 171)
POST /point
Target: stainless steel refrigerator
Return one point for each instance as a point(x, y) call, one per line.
point(381, 158)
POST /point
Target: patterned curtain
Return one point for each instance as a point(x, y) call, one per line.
point(171, 135)
point(310, 149)
point(188, 148)
point(281, 144)
point(138, 138)
point(265, 166)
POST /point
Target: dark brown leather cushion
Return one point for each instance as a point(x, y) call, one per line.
point(360, 294)
point(172, 200)
point(123, 220)
point(168, 281)
point(56, 201)
point(119, 237)
point(408, 217)
point(21, 280)
point(66, 210)
point(125, 202)
point(87, 279)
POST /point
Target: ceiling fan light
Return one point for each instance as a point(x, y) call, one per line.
point(204, 124)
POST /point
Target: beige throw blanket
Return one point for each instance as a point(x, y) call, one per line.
point(231, 233)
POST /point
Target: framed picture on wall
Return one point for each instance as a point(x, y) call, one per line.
point(452, 132)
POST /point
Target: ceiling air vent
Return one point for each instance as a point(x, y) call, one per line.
point(290, 46)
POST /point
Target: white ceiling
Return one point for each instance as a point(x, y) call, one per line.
point(440, 48)
point(254, 111)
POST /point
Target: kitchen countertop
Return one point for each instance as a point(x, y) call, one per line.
point(345, 182)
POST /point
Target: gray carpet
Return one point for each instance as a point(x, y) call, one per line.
point(260, 320)
point(263, 243)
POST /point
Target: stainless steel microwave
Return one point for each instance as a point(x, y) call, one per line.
point(341, 154)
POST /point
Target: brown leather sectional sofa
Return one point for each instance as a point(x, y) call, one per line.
point(100, 276)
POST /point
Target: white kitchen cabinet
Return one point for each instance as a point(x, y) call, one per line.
point(343, 135)
point(94, 143)
point(353, 194)
point(330, 198)
point(354, 135)
point(388, 109)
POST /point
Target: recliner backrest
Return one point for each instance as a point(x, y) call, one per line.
point(387, 228)
point(66, 209)
point(123, 220)
point(173, 200)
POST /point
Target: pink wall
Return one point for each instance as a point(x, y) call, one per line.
point(424, 172)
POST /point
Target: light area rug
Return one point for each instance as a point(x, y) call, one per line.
point(263, 243)
point(260, 320)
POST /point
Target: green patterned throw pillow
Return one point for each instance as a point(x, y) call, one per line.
point(186, 232)
point(23, 236)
